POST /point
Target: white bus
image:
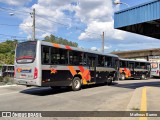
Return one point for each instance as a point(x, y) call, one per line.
point(39, 63)
point(155, 69)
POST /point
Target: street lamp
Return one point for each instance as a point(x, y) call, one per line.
point(33, 27)
point(11, 14)
point(116, 2)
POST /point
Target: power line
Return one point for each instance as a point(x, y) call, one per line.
point(14, 25)
point(12, 36)
point(86, 33)
point(9, 9)
point(52, 21)
point(9, 25)
point(89, 33)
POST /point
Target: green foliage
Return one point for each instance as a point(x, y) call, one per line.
point(7, 50)
point(59, 40)
point(7, 80)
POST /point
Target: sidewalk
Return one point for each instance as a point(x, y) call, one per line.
point(144, 99)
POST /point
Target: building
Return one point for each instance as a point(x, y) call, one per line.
point(147, 54)
point(143, 19)
point(7, 70)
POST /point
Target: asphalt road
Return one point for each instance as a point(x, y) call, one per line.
point(116, 97)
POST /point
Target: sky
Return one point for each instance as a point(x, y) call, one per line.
point(81, 21)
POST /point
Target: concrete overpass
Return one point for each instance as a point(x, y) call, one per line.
point(143, 19)
point(139, 54)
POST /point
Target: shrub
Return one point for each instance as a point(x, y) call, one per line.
point(1, 79)
point(6, 80)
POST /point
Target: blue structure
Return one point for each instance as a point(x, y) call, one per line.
point(143, 19)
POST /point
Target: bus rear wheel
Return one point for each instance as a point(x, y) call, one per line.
point(143, 77)
point(109, 81)
point(76, 84)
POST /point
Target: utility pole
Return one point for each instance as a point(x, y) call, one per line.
point(33, 26)
point(103, 42)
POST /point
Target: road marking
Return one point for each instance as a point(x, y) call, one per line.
point(143, 103)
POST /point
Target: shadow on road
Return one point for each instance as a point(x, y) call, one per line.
point(138, 84)
point(44, 91)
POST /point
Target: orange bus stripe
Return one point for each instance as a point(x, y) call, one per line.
point(68, 47)
point(56, 45)
point(81, 68)
point(73, 72)
point(85, 73)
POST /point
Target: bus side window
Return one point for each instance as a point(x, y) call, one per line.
point(108, 61)
point(59, 56)
point(45, 54)
point(63, 56)
point(101, 60)
point(76, 58)
point(54, 55)
point(142, 65)
point(137, 65)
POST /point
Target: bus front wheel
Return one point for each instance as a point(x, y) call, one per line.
point(76, 84)
point(122, 76)
point(143, 77)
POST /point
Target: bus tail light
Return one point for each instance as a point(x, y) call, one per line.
point(35, 73)
point(157, 71)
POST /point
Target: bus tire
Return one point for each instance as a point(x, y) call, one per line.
point(109, 81)
point(76, 84)
point(122, 76)
point(143, 77)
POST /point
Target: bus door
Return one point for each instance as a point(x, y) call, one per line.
point(92, 63)
point(117, 66)
point(131, 68)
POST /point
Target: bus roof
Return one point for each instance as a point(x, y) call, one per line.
point(76, 49)
point(133, 60)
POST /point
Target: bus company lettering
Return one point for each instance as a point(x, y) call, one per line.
point(24, 70)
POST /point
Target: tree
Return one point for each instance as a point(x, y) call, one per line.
point(60, 40)
point(7, 50)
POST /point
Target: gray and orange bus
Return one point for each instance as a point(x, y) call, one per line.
point(39, 63)
point(134, 69)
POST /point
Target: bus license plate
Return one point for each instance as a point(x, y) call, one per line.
point(23, 76)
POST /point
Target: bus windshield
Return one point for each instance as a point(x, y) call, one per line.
point(26, 52)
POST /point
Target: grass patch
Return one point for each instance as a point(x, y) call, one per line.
point(6, 81)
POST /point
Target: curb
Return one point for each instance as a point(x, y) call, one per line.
point(134, 103)
point(2, 86)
